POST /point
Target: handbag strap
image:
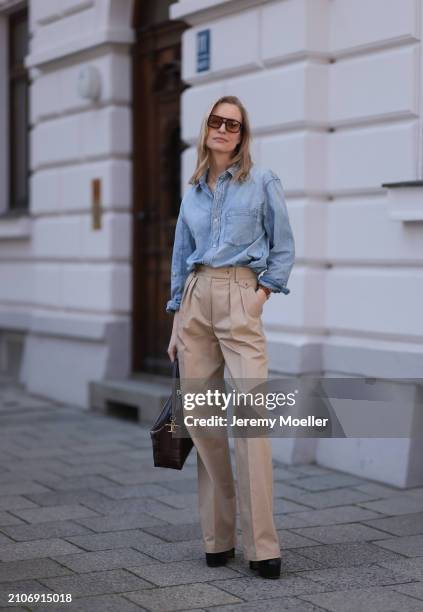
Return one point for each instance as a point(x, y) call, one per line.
point(176, 383)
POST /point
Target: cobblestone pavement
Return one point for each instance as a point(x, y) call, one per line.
point(83, 511)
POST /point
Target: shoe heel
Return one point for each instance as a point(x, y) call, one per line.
point(219, 559)
point(268, 568)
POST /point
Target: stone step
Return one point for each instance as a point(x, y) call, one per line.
point(139, 398)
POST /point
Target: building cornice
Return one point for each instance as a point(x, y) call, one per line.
point(405, 200)
point(198, 11)
point(109, 36)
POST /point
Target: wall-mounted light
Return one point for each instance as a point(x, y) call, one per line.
point(89, 82)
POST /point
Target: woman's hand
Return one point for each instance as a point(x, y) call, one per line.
point(172, 348)
point(261, 296)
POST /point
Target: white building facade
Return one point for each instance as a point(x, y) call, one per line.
point(334, 89)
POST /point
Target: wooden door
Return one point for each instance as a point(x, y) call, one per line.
point(157, 143)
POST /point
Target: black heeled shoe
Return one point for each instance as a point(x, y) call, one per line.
point(268, 568)
point(218, 559)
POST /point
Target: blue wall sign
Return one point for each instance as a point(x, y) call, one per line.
point(203, 50)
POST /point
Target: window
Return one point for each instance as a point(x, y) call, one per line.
point(18, 112)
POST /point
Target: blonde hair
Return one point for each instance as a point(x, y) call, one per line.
point(242, 151)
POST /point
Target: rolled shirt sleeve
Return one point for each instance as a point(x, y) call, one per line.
point(183, 246)
point(281, 239)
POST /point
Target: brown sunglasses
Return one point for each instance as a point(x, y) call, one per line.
point(232, 125)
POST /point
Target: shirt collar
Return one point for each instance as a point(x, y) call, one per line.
point(202, 180)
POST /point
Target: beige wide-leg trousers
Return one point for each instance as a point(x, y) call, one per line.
point(219, 325)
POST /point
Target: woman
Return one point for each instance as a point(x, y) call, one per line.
point(233, 248)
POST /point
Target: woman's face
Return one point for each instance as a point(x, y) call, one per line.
point(220, 140)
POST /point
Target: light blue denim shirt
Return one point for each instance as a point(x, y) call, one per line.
point(240, 224)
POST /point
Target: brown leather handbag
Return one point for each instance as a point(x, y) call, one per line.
point(170, 451)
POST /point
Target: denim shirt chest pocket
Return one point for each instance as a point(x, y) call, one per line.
point(241, 225)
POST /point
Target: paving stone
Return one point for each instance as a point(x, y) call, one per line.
point(289, 521)
point(147, 476)
point(293, 562)
point(135, 450)
point(410, 546)
point(120, 558)
point(378, 490)
point(327, 499)
point(75, 460)
point(176, 533)
point(238, 563)
point(402, 525)
point(133, 491)
point(8, 519)
point(288, 490)
point(40, 452)
point(414, 590)
point(412, 568)
point(282, 473)
point(285, 506)
point(188, 485)
point(31, 568)
point(90, 469)
point(172, 598)
point(28, 586)
point(115, 539)
point(328, 481)
point(416, 492)
point(397, 504)
point(375, 599)
point(38, 531)
point(346, 554)
point(97, 583)
point(196, 609)
point(126, 506)
point(256, 588)
point(183, 572)
point(36, 549)
point(115, 522)
point(81, 482)
point(123, 464)
point(340, 578)
point(327, 516)
point(11, 502)
point(4, 540)
point(48, 481)
point(333, 534)
point(282, 604)
point(176, 551)
point(32, 469)
point(103, 603)
point(311, 469)
point(177, 516)
point(22, 488)
point(78, 496)
point(15, 482)
point(53, 513)
point(291, 539)
point(91, 446)
point(179, 500)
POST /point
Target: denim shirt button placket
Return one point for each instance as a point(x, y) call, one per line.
point(215, 214)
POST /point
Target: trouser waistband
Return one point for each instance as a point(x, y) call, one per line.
point(232, 272)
